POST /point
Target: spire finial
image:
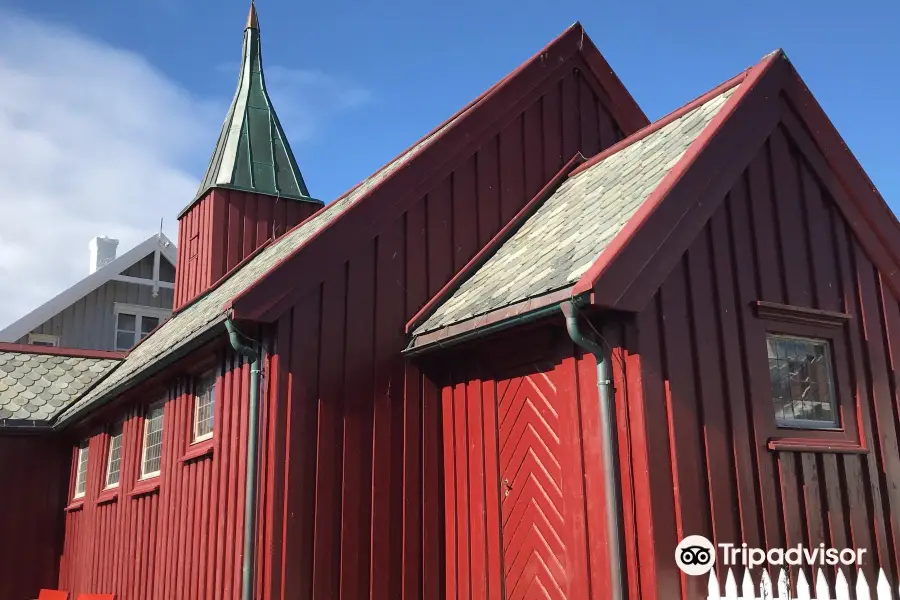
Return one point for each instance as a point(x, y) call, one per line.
point(252, 20)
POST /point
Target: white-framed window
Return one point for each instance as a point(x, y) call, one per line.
point(134, 322)
point(114, 458)
point(204, 406)
point(151, 448)
point(43, 339)
point(81, 473)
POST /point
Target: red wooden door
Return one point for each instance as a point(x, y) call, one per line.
point(531, 487)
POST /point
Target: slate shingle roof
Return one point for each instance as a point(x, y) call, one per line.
point(560, 241)
point(36, 387)
point(206, 313)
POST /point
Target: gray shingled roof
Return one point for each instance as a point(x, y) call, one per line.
point(35, 387)
point(197, 319)
point(561, 240)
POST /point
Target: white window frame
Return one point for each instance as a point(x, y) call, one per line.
point(44, 338)
point(81, 476)
point(139, 313)
point(150, 409)
point(202, 384)
point(115, 433)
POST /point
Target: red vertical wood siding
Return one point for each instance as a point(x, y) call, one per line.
point(224, 228)
point(351, 498)
point(356, 475)
point(520, 409)
point(697, 384)
point(31, 522)
point(183, 540)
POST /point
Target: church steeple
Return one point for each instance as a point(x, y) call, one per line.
point(252, 153)
point(252, 191)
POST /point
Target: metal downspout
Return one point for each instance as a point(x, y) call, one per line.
point(610, 449)
point(242, 345)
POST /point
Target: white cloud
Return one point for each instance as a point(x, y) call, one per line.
point(96, 141)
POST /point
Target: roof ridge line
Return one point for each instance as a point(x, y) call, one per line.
point(663, 121)
point(750, 78)
point(565, 46)
point(61, 351)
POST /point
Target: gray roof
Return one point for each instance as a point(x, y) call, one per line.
point(570, 230)
point(35, 387)
point(198, 318)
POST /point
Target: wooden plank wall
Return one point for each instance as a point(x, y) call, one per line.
point(90, 323)
point(31, 519)
point(182, 539)
point(528, 425)
point(363, 428)
point(224, 228)
point(698, 389)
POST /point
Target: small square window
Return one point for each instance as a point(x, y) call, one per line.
point(204, 407)
point(81, 473)
point(151, 453)
point(114, 459)
point(135, 322)
point(802, 380)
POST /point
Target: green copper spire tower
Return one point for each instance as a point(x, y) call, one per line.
point(252, 153)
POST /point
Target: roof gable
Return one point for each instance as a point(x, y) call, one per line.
point(559, 242)
point(275, 293)
point(255, 285)
point(631, 265)
point(76, 292)
point(656, 238)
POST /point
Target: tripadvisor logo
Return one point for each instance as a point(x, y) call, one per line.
point(696, 555)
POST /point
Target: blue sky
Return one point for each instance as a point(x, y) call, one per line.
point(357, 82)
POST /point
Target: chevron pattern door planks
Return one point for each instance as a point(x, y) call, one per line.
point(531, 489)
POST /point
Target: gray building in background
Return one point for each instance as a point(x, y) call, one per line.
point(121, 300)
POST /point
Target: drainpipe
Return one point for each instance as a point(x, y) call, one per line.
point(242, 345)
point(610, 449)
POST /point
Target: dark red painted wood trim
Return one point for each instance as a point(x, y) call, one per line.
point(442, 336)
point(814, 445)
point(107, 496)
point(74, 352)
point(498, 240)
point(660, 123)
point(272, 294)
point(77, 505)
point(199, 450)
point(799, 314)
point(144, 487)
point(647, 241)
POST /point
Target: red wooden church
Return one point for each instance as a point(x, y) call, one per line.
point(522, 360)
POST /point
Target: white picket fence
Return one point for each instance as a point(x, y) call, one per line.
point(804, 590)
